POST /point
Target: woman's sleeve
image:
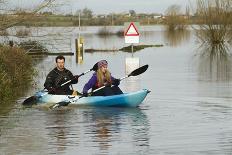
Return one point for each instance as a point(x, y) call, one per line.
point(90, 84)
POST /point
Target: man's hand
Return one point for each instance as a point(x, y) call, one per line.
point(75, 79)
point(51, 90)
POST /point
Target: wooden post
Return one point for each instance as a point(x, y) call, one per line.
point(11, 43)
point(79, 50)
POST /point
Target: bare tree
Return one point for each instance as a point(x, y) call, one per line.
point(11, 18)
point(215, 21)
point(174, 18)
point(214, 33)
point(87, 13)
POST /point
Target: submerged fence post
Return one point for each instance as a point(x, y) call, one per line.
point(79, 50)
point(11, 43)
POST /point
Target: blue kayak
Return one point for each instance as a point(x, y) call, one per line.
point(132, 99)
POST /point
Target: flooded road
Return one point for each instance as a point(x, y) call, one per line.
point(188, 111)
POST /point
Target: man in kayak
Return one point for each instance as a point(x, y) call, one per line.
point(58, 76)
point(102, 78)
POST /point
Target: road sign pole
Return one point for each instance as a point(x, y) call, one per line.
point(132, 49)
point(131, 35)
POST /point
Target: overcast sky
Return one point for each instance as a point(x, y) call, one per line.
point(110, 6)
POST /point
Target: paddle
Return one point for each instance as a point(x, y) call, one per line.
point(136, 72)
point(33, 99)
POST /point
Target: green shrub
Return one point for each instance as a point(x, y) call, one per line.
point(16, 72)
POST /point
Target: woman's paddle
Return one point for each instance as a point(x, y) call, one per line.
point(33, 99)
point(136, 72)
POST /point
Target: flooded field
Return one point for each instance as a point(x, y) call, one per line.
point(188, 111)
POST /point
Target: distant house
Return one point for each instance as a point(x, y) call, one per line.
point(101, 16)
point(160, 16)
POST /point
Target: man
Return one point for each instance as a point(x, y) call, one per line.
point(58, 76)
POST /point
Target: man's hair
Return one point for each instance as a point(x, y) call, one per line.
point(60, 57)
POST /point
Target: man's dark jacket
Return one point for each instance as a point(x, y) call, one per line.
point(54, 80)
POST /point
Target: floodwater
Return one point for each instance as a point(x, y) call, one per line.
point(188, 111)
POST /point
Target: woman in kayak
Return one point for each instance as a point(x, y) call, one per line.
point(102, 78)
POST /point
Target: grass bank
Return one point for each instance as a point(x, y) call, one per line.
point(138, 47)
point(16, 73)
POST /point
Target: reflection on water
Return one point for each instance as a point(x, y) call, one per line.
point(108, 125)
point(87, 130)
point(104, 124)
point(58, 127)
point(101, 128)
point(177, 37)
point(132, 84)
point(215, 63)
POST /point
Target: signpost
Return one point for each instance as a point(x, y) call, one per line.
point(131, 35)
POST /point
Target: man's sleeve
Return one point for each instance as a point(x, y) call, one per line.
point(49, 82)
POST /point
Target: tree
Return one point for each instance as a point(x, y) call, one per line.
point(132, 13)
point(87, 13)
point(11, 18)
point(174, 20)
point(216, 21)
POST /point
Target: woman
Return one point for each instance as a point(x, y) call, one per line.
point(102, 78)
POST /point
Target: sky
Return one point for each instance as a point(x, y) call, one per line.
point(109, 6)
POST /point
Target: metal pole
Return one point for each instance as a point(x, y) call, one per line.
point(132, 49)
point(79, 25)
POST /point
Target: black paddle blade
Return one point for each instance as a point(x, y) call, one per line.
point(30, 100)
point(95, 67)
point(138, 71)
point(59, 104)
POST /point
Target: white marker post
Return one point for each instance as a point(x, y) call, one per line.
point(131, 35)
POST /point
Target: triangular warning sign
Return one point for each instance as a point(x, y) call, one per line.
point(132, 30)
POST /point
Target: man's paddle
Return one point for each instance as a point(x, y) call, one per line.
point(33, 99)
point(136, 72)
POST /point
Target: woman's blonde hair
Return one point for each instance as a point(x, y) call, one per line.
point(100, 77)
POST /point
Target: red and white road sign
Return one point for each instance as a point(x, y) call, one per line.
point(131, 34)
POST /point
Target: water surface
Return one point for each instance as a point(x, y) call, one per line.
point(188, 111)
